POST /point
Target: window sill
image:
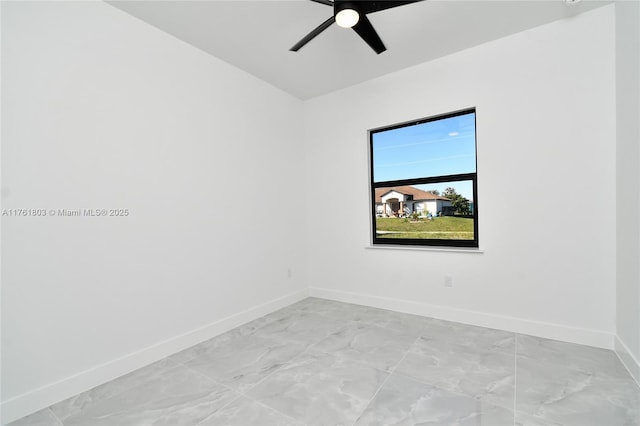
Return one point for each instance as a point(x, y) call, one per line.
point(419, 248)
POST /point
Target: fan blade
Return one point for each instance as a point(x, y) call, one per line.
point(320, 28)
point(327, 2)
point(369, 34)
point(376, 6)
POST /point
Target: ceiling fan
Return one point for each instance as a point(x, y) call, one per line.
point(353, 14)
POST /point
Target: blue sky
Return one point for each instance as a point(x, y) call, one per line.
point(436, 148)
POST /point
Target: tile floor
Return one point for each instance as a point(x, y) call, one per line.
point(319, 362)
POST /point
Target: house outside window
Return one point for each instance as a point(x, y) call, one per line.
point(424, 182)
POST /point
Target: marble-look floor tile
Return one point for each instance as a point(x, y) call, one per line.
point(556, 393)
point(241, 363)
point(403, 401)
point(320, 389)
point(345, 312)
point(479, 338)
point(320, 362)
point(571, 355)
point(302, 327)
point(112, 388)
point(287, 324)
point(245, 331)
point(180, 396)
point(246, 412)
point(319, 306)
point(403, 323)
point(480, 373)
point(527, 420)
point(39, 418)
point(369, 344)
point(252, 328)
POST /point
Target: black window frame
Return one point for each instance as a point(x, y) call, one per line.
point(473, 177)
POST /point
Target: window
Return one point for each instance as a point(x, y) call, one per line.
point(424, 188)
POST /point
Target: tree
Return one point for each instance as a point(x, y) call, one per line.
point(450, 193)
point(460, 203)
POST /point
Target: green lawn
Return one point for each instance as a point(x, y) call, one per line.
point(442, 228)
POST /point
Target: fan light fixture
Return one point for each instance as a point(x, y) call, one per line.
point(347, 18)
point(353, 14)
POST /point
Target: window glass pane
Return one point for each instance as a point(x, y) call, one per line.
point(442, 211)
point(436, 148)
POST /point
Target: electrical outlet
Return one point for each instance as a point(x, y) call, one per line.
point(289, 273)
point(448, 281)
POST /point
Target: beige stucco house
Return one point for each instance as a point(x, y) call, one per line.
point(404, 200)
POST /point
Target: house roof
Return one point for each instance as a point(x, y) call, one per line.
point(418, 194)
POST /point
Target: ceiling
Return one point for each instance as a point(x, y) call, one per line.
point(255, 36)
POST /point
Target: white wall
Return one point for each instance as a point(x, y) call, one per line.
point(628, 183)
point(103, 111)
point(545, 102)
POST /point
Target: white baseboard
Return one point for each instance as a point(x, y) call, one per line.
point(628, 359)
point(37, 399)
point(597, 338)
